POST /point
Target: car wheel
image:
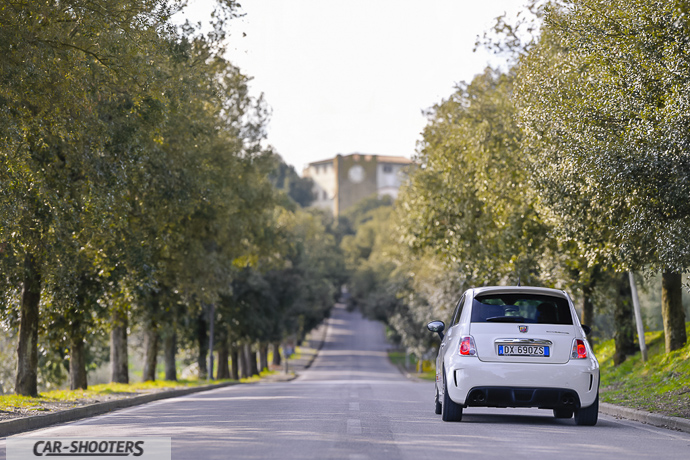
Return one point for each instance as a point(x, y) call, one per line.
point(562, 412)
point(588, 416)
point(437, 404)
point(450, 410)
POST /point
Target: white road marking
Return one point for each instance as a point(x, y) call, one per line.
point(354, 426)
point(354, 406)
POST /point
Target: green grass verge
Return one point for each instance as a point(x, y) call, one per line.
point(398, 359)
point(661, 385)
point(96, 393)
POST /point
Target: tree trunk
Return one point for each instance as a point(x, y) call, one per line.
point(235, 369)
point(170, 350)
point(223, 355)
point(77, 333)
point(202, 340)
point(588, 308)
point(588, 304)
point(211, 337)
point(77, 359)
point(150, 352)
point(119, 365)
point(624, 334)
point(263, 357)
point(251, 359)
point(276, 354)
point(245, 371)
point(26, 383)
point(672, 311)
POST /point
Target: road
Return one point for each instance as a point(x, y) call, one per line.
point(353, 404)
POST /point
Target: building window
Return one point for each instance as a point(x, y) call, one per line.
point(325, 195)
point(387, 168)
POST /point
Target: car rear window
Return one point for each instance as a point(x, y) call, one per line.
point(521, 308)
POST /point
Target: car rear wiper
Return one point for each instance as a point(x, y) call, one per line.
point(506, 319)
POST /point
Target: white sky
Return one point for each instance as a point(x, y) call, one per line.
point(346, 76)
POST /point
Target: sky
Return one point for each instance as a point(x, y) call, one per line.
point(355, 76)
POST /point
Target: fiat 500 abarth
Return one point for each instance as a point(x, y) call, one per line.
point(516, 347)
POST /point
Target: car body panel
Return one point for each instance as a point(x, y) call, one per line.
point(559, 338)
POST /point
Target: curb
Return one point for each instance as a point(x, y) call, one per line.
point(310, 361)
point(662, 421)
point(10, 427)
point(327, 326)
point(408, 375)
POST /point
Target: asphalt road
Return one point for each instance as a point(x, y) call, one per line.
point(353, 404)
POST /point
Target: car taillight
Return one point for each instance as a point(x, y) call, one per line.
point(579, 349)
point(467, 347)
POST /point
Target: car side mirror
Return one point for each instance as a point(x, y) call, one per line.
point(587, 329)
point(437, 327)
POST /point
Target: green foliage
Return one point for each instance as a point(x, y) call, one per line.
point(299, 189)
point(588, 182)
point(382, 274)
point(289, 292)
point(131, 169)
point(603, 103)
point(470, 201)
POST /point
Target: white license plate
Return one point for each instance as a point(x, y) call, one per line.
point(524, 350)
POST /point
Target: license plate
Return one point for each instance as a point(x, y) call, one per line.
point(524, 350)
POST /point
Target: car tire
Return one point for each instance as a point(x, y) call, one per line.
point(437, 403)
point(450, 410)
point(562, 412)
point(588, 416)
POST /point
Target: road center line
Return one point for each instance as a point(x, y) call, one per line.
point(354, 426)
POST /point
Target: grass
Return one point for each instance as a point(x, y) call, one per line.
point(660, 385)
point(398, 359)
point(94, 393)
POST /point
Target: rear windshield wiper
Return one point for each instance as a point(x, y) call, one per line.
point(506, 319)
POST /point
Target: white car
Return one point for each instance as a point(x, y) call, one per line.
point(516, 347)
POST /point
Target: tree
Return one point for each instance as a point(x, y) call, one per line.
point(132, 170)
point(59, 60)
point(389, 282)
point(469, 201)
point(299, 189)
point(602, 101)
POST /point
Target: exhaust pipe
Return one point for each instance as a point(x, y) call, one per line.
point(568, 400)
point(478, 397)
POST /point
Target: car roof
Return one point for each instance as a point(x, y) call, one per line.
point(518, 289)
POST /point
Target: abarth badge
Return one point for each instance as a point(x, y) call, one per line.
point(522, 328)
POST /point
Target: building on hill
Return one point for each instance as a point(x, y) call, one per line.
point(343, 181)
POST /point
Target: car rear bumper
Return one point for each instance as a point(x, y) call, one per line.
point(545, 398)
point(575, 383)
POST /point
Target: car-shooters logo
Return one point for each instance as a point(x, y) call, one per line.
point(21, 448)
